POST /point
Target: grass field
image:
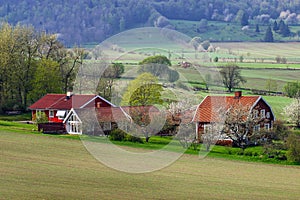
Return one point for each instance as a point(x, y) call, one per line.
point(46, 167)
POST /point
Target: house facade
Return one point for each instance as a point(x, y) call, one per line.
point(210, 110)
point(58, 106)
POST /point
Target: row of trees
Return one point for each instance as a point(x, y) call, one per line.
point(33, 63)
point(95, 20)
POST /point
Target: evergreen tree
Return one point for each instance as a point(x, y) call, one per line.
point(275, 26)
point(257, 29)
point(269, 35)
point(244, 20)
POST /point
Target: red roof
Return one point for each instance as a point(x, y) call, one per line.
point(111, 114)
point(61, 102)
point(209, 108)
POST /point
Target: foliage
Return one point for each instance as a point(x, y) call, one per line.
point(269, 35)
point(117, 135)
point(271, 85)
point(292, 112)
point(105, 84)
point(239, 125)
point(97, 20)
point(32, 63)
point(142, 91)
point(40, 117)
point(156, 59)
point(293, 144)
point(292, 89)
point(231, 76)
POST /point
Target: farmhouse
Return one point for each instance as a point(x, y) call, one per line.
point(57, 106)
point(210, 111)
point(88, 114)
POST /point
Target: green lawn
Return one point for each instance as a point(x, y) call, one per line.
point(46, 167)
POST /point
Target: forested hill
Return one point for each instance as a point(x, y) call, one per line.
point(85, 21)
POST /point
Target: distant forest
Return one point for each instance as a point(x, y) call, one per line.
point(91, 21)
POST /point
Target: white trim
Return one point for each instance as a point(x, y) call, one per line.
point(97, 96)
point(70, 113)
point(256, 102)
point(51, 111)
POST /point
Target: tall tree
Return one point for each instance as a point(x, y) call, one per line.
point(231, 76)
point(142, 91)
point(268, 35)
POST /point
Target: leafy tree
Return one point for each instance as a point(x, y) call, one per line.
point(142, 91)
point(46, 79)
point(156, 59)
point(107, 79)
point(231, 76)
point(268, 35)
point(195, 42)
point(293, 144)
point(271, 85)
point(292, 89)
point(173, 75)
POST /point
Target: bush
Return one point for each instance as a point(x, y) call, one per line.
point(132, 138)
point(293, 144)
point(117, 135)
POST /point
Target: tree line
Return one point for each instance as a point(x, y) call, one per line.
point(95, 20)
point(32, 64)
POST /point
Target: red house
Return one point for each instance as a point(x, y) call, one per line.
point(208, 111)
point(57, 106)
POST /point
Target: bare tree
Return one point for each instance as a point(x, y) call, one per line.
point(231, 76)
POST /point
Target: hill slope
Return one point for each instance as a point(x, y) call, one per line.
point(86, 21)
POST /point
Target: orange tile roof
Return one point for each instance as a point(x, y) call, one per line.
point(209, 109)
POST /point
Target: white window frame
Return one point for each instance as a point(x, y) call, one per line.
point(263, 113)
point(59, 116)
point(255, 113)
point(256, 128)
point(267, 126)
point(51, 113)
point(268, 115)
point(206, 128)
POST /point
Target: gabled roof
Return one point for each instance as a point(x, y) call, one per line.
point(208, 110)
point(62, 102)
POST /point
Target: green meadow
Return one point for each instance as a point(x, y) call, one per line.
point(36, 166)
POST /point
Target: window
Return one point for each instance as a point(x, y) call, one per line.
point(255, 113)
point(267, 126)
point(256, 128)
point(268, 115)
point(51, 113)
point(61, 114)
point(263, 113)
point(207, 128)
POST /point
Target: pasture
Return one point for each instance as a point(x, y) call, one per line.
point(46, 167)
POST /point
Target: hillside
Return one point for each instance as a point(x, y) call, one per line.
point(92, 21)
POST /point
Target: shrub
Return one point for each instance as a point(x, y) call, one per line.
point(132, 138)
point(117, 135)
point(293, 144)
